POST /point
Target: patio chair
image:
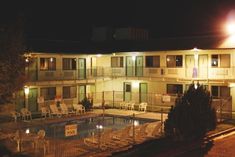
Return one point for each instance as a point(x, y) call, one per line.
point(55, 110)
point(131, 106)
point(45, 112)
point(79, 108)
point(25, 114)
point(124, 105)
point(65, 110)
point(143, 106)
point(15, 115)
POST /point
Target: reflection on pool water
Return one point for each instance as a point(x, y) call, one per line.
point(87, 127)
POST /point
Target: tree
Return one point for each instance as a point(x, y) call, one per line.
point(12, 63)
point(192, 116)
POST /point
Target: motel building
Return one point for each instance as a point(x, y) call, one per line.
point(155, 77)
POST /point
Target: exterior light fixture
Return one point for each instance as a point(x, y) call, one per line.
point(98, 55)
point(133, 58)
point(231, 85)
point(230, 28)
point(26, 90)
point(168, 59)
point(136, 123)
point(51, 59)
point(99, 126)
point(27, 131)
point(135, 84)
point(27, 60)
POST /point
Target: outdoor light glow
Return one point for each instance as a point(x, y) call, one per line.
point(114, 54)
point(195, 49)
point(27, 60)
point(135, 84)
point(133, 58)
point(230, 28)
point(168, 59)
point(26, 90)
point(99, 126)
point(51, 59)
point(195, 86)
point(27, 131)
point(98, 55)
point(136, 123)
point(232, 85)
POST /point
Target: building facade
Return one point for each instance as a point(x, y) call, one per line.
point(155, 77)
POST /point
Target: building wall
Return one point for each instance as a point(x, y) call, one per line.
point(156, 78)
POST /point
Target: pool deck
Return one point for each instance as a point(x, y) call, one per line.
point(138, 114)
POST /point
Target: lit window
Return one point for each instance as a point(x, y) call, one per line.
point(174, 60)
point(47, 64)
point(222, 60)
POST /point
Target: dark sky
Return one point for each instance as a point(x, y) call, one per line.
point(163, 18)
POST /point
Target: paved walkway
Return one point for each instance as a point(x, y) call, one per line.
point(147, 115)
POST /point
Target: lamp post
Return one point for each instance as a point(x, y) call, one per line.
point(99, 128)
point(26, 92)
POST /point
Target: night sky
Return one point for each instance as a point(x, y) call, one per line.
point(165, 18)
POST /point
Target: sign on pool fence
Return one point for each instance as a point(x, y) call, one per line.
point(71, 130)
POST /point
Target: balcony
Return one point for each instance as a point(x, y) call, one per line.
point(139, 72)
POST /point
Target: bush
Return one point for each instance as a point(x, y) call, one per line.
point(87, 104)
point(192, 116)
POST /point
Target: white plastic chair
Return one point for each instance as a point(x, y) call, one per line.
point(79, 108)
point(26, 114)
point(143, 106)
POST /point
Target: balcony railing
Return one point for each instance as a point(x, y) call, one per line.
point(97, 72)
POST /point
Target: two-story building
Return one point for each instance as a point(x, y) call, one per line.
point(143, 76)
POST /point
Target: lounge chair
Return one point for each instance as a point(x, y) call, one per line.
point(25, 114)
point(45, 112)
point(143, 106)
point(65, 110)
point(15, 115)
point(79, 108)
point(55, 110)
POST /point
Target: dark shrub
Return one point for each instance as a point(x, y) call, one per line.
point(192, 116)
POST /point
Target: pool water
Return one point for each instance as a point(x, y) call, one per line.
point(87, 127)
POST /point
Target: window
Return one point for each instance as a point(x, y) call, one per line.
point(48, 93)
point(116, 61)
point(152, 61)
point(127, 88)
point(174, 89)
point(174, 60)
point(222, 60)
point(69, 92)
point(47, 64)
point(220, 91)
point(69, 63)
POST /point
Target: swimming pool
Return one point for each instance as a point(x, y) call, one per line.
point(88, 126)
